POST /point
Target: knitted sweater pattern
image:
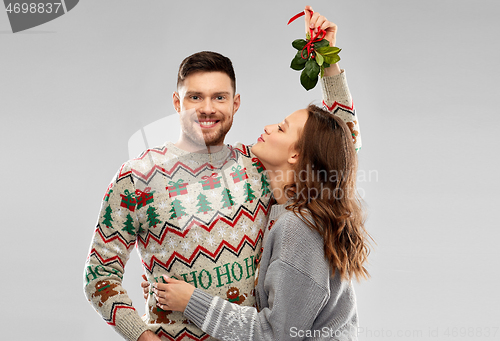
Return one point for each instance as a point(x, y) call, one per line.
point(192, 216)
point(298, 297)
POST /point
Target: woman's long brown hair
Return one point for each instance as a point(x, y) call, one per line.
point(324, 191)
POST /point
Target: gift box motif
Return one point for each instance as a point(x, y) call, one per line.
point(210, 182)
point(239, 174)
point(128, 200)
point(144, 198)
point(260, 167)
point(177, 188)
point(108, 192)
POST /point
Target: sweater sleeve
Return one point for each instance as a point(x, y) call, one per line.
point(337, 99)
point(112, 242)
point(291, 309)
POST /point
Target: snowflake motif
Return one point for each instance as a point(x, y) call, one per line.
point(196, 236)
point(255, 181)
point(119, 212)
point(105, 250)
point(188, 199)
point(145, 256)
point(222, 231)
point(162, 205)
point(236, 189)
point(171, 243)
point(186, 246)
point(244, 227)
point(118, 249)
point(236, 315)
point(210, 240)
point(234, 235)
point(213, 194)
point(153, 247)
point(141, 215)
point(164, 253)
point(253, 230)
point(260, 221)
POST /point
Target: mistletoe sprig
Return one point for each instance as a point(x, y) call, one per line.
point(313, 56)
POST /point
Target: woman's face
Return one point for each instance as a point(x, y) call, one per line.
point(274, 147)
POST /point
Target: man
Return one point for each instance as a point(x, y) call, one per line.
point(196, 209)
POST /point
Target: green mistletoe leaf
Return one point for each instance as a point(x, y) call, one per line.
point(321, 43)
point(312, 69)
point(307, 82)
point(319, 59)
point(332, 60)
point(299, 44)
point(328, 50)
point(297, 62)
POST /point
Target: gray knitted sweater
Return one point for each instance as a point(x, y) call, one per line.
point(297, 296)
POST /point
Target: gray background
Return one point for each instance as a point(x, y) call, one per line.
point(424, 77)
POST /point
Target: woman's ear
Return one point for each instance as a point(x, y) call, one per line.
point(293, 158)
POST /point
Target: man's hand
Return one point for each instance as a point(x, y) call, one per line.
point(174, 295)
point(318, 21)
point(148, 335)
point(145, 287)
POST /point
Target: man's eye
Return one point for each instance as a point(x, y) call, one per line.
point(194, 98)
point(220, 98)
point(279, 128)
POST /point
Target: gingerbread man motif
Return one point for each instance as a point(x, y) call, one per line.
point(105, 290)
point(161, 316)
point(233, 296)
point(354, 133)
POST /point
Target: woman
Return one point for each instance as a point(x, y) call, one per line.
point(314, 244)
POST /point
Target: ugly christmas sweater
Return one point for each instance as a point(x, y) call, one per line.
point(192, 216)
point(297, 295)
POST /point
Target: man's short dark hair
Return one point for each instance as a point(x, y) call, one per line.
point(206, 61)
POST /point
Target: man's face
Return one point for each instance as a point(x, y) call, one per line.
point(206, 105)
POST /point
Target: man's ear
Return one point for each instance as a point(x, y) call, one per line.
point(176, 101)
point(236, 103)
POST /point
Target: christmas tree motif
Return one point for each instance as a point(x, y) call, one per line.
point(203, 204)
point(265, 185)
point(177, 209)
point(227, 198)
point(107, 217)
point(140, 228)
point(129, 227)
point(152, 220)
point(249, 193)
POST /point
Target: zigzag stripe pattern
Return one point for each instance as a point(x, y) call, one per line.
point(195, 221)
point(103, 261)
point(200, 250)
point(114, 236)
point(337, 105)
point(112, 319)
point(183, 334)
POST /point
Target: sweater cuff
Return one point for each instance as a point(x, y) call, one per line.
point(335, 86)
point(198, 306)
point(130, 325)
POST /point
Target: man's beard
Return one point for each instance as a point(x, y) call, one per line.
point(213, 138)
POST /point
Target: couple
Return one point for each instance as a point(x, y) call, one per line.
point(198, 215)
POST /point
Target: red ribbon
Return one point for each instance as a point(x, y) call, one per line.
point(314, 39)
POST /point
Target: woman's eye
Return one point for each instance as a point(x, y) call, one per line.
point(279, 128)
